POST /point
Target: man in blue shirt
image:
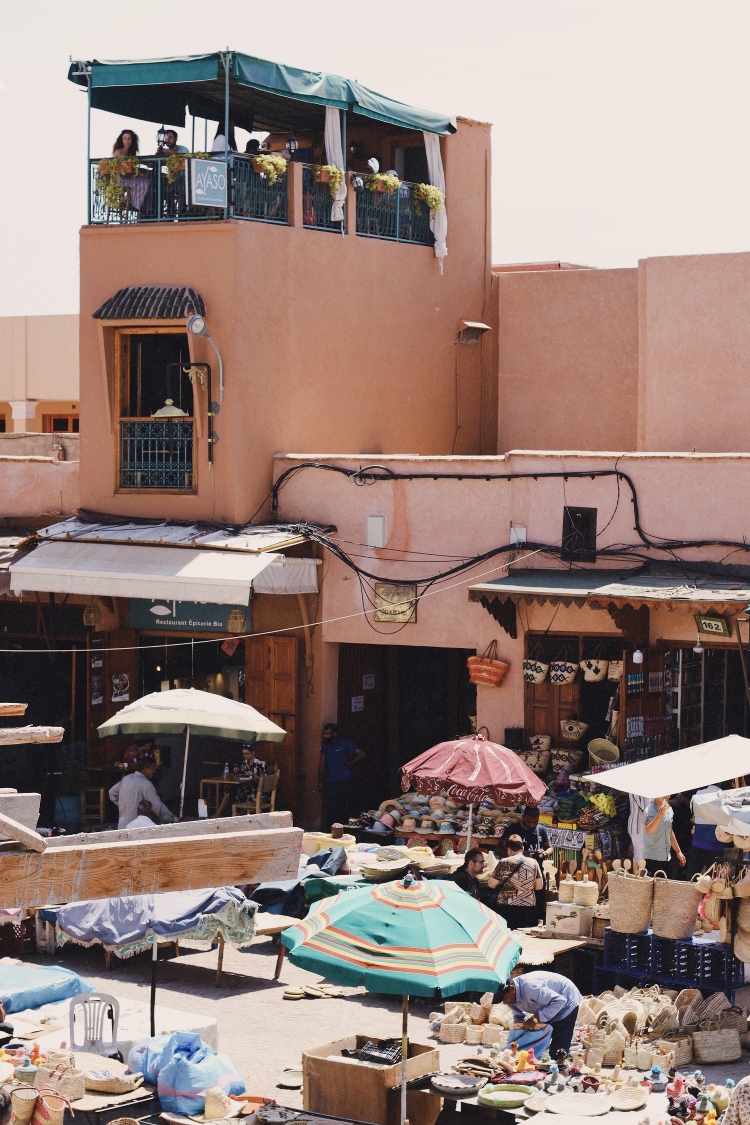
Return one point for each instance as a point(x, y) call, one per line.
point(549, 998)
point(337, 755)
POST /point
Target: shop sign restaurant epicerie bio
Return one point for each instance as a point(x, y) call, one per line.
point(204, 617)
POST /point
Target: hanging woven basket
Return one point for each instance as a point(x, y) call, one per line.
point(487, 669)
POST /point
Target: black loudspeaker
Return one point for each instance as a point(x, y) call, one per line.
point(514, 738)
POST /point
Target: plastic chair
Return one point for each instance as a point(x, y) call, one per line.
point(97, 1007)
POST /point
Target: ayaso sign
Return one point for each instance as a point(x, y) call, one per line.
point(208, 183)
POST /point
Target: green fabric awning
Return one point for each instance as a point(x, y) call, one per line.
point(262, 93)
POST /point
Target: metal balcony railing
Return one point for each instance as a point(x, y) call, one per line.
point(253, 197)
point(156, 454)
point(316, 202)
point(393, 217)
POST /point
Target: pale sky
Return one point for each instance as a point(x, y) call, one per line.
point(619, 126)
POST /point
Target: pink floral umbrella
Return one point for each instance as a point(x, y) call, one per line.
point(472, 769)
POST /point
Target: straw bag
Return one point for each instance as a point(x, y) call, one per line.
point(540, 741)
point(630, 1058)
point(712, 1045)
point(105, 1082)
point(487, 669)
point(594, 668)
point(630, 901)
point(603, 752)
point(614, 671)
point(536, 760)
point(452, 1032)
point(50, 1108)
point(62, 1079)
point(565, 759)
point(734, 1017)
point(572, 729)
point(741, 885)
point(675, 907)
point(679, 1044)
point(24, 1103)
point(561, 670)
point(586, 892)
point(645, 1054)
point(534, 669)
point(614, 1046)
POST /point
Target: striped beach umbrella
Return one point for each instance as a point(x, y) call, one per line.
point(406, 938)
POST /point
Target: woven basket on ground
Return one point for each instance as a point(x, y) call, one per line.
point(67, 1081)
point(452, 1032)
point(675, 908)
point(710, 1008)
point(23, 1099)
point(629, 1097)
point(614, 1046)
point(492, 1033)
point(473, 1034)
point(685, 998)
point(680, 1044)
point(712, 1045)
point(630, 901)
point(112, 1083)
point(735, 1017)
point(690, 1015)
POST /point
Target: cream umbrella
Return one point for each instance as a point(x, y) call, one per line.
point(186, 710)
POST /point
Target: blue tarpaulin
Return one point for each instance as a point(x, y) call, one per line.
point(30, 986)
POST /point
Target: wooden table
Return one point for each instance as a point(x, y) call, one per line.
point(217, 782)
point(542, 951)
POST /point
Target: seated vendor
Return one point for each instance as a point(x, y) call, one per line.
point(251, 770)
point(540, 998)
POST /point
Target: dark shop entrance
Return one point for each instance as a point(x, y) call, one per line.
point(394, 702)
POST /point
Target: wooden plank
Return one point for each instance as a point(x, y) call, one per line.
point(252, 823)
point(26, 836)
point(18, 736)
point(23, 807)
point(133, 867)
point(13, 708)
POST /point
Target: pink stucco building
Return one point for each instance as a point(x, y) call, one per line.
point(554, 459)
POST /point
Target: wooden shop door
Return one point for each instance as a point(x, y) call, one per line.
point(271, 673)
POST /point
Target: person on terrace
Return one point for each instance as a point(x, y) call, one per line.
point(217, 148)
point(171, 147)
point(136, 185)
point(251, 770)
point(126, 144)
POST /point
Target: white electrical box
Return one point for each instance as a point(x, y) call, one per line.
point(517, 535)
point(376, 531)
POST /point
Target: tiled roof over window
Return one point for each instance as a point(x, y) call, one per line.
point(151, 302)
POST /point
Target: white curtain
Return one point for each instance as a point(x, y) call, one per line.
point(335, 155)
point(438, 221)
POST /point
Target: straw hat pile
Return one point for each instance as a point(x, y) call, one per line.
point(422, 815)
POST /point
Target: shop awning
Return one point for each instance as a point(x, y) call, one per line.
point(709, 763)
point(604, 588)
point(262, 93)
point(105, 569)
point(8, 551)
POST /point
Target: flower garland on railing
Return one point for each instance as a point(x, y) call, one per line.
point(427, 193)
point(382, 181)
point(175, 162)
point(329, 174)
point(108, 182)
point(270, 165)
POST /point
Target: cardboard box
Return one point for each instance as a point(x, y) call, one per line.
point(568, 920)
point(360, 1092)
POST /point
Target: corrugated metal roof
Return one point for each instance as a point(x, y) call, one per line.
point(614, 587)
point(152, 302)
point(250, 538)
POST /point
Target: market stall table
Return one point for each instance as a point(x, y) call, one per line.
point(213, 803)
point(543, 951)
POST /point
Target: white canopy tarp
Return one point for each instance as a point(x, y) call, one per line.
point(729, 808)
point(691, 768)
point(131, 571)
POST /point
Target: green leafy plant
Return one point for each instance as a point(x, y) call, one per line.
point(108, 182)
point(175, 162)
point(390, 182)
point(330, 174)
point(427, 193)
point(271, 165)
